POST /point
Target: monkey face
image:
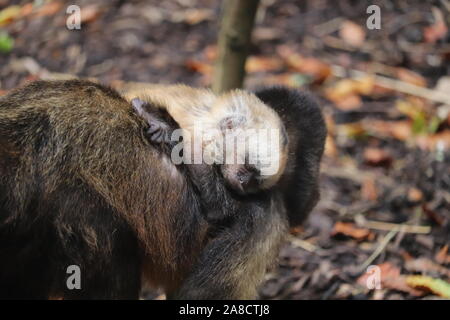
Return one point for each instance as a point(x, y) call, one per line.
point(254, 139)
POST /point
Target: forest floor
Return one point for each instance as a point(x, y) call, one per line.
point(385, 95)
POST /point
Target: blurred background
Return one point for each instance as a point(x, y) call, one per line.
point(385, 94)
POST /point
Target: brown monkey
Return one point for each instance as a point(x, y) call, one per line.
point(222, 122)
point(81, 185)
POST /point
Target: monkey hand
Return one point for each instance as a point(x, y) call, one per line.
point(158, 131)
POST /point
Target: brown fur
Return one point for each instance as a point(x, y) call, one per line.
point(81, 185)
point(69, 134)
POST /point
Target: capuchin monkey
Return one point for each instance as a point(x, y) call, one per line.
point(236, 131)
point(81, 184)
point(297, 180)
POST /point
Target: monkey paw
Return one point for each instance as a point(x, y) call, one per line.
point(158, 132)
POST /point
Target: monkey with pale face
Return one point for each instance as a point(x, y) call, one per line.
point(238, 132)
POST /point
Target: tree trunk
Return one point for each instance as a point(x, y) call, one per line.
point(234, 42)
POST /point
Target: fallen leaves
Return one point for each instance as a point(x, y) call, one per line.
point(411, 77)
point(369, 190)
point(346, 93)
point(199, 66)
point(425, 265)
point(49, 9)
point(391, 278)
point(437, 286)
point(414, 195)
point(317, 69)
point(415, 285)
point(400, 130)
point(351, 230)
point(12, 13)
point(442, 256)
point(377, 157)
point(8, 14)
point(352, 33)
point(193, 16)
point(263, 64)
point(90, 13)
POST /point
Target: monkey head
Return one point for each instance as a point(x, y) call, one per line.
point(254, 142)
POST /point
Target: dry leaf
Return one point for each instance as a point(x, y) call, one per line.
point(210, 52)
point(415, 195)
point(50, 8)
point(350, 102)
point(352, 130)
point(198, 66)
point(425, 265)
point(437, 286)
point(433, 215)
point(391, 279)
point(350, 229)
point(27, 9)
point(411, 77)
point(90, 13)
point(346, 93)
point(400, 130)
point(431, 142)
point(195, 16)
point(331, 149)
point(316, 68)
point(352, 33)
point(377, 157)
point(369, 189)
point(258, 64)
point(265, 33)
point(365, 85)
point(9, 14)
point(442, 256)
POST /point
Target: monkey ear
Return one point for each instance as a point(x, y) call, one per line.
point(138, 105)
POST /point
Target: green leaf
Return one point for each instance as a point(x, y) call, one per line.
point(6, 43)
point(437, 286)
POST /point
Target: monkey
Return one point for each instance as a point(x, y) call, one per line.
point(257, 164)
point(80, 184)
point(296, 193)
point(300, 115)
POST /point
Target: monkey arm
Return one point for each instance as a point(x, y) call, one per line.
point(217, 203)
point(234, 262)
point(306, 131)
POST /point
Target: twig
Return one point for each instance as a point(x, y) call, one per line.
point(305, 245)
point(397, 85)
point(378, 250)
point(386, 226)
point(328, 27)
